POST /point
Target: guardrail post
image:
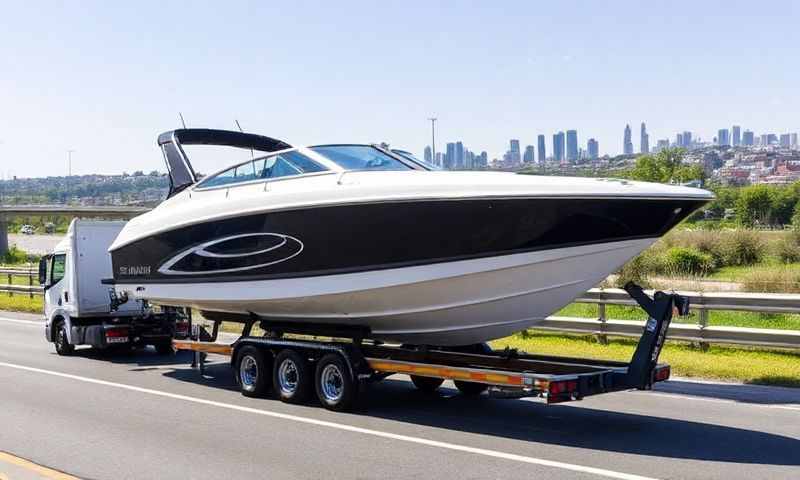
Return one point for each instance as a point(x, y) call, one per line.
point(602, 338)
point(703, 322)
point(30, 282)
point(10, 293)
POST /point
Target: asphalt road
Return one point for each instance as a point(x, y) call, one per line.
point(35, 244)
point(148, 416)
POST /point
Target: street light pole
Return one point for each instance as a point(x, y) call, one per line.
point(69, 162)
point(433, 139)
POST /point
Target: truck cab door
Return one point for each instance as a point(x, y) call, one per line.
point(56, 293)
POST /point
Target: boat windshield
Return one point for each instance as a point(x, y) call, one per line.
point(410, 156)
point(360, 157)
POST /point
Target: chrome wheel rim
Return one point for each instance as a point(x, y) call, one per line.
point(61, 338)
point(332, 383)
point(248, 372)
point(288, 376)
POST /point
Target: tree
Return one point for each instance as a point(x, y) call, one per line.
point(784, 200)
point(754, 205)
point(666, 166)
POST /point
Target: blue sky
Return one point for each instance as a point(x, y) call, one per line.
point(104, 78)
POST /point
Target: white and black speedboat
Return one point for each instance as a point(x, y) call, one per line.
point(359, 235)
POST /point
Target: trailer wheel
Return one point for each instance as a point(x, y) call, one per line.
point(426, 384)
point(164, 348)
point(63, 347)
point(292, 377)
point(253, 372)
point(335, 386)
point(470, 388)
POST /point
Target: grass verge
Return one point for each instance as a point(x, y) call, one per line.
point(21, 303)
point(765, 367)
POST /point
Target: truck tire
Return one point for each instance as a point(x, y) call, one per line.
point(252, 372)
point(335, 387)
point(470, 388)
point(63, 347)
point(426, 384)
point(291, 377)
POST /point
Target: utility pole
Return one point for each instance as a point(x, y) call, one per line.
point(69, 162)
point(433, 139)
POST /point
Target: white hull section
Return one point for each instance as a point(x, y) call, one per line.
point(453, 303)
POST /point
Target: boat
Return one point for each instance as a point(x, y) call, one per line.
point(358, 235)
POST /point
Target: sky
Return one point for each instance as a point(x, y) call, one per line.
point(105, 78)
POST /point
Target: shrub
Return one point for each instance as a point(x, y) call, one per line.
point(772, 280)
point(706, 241)
point(787, 249)
point(14, 255)
point(742, 247)
point(688, 261)
point(636, 271)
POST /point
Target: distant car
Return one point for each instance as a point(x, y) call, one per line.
point(27, 230)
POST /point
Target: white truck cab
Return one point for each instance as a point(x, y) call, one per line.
point(78, 307)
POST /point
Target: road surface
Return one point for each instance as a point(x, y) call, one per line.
point(35, 244)
point(148, 416)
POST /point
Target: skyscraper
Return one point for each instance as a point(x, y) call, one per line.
point(786, 140)
point(542, 150)
point(764, 139)
point(627, 147)
point(679, 140)
point(529, 156)
point(737, 135)
point(772, 139)
point(662, 144)
point(748, 139)
point(558, 147)
point(572, 146)
point(723, 137)
point(428, 154)
point(794, 140)
point(593, 148)
point(450, 156)
point(644, 140)
point(687, 140)
point(459, 160)
point(514, 153)
point(439, 160)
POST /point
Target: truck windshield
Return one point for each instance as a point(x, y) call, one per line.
point(59, 266)
point(360, 157)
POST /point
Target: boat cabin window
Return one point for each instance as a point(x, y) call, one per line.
point(360, 157)
point(275, 166)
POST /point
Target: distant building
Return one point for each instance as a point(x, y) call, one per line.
point(786, 140)
point(662, 144)
point(794, 141)
point(772, 139)
point(724, 137)
point(748, 139)
point(529, 156)
point(459, 160)
point(593, 149)
point(737, 135)
point(687, 140)
point(644, 139)
point(558, 147)
point(627, 145)
point(514, 154)
point(484, 159)
point(428, 155)
point(764, 139)
point(439, 159)
point(450, 156)
point(679, 140)
point(572, 146)
point(542, 149)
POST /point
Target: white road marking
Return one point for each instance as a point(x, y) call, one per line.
point(349, 428)
point(684, 396)
point(23, 322)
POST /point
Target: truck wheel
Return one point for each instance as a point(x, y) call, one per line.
point(252, 372)
point(63, 347)
point(291, 378)
point(470, 388)
point(335, 387)
point(164, 348)
point(426, 384)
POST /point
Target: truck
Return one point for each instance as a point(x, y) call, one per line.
point(80, 309)
point(297, 361)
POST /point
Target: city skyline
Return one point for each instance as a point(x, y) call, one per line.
point(106, 85)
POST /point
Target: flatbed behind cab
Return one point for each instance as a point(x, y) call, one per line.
point(340, 367)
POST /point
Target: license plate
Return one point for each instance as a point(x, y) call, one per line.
point(116, 339)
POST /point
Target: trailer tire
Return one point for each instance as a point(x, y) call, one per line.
point(426, 384)
point(164, 348)
point(336, 388)
point(291, 378)
point(470, 388)
point(252, 372)
point(60, 340)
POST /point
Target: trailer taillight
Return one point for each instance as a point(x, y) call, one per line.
point(563, 386)
point(662, 373)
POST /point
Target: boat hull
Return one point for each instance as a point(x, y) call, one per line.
point(455, 303)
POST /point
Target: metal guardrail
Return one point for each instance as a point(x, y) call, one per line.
point(602, 327)
point(31, 289)
point(700, 332)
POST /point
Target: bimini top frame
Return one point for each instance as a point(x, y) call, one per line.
point(181, 173)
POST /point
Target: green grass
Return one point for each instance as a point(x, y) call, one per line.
point(21, 303)
point(735, 274)
point(716, 318)
point(767, 367)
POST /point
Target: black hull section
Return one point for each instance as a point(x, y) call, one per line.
point(352, 238)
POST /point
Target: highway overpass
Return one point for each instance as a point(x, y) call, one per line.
point(8, 212)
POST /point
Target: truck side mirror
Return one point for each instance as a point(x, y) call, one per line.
point(43, 270)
